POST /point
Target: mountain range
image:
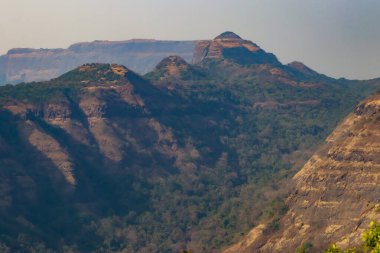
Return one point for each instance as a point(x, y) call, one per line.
point(28, 65)
point(189, 156)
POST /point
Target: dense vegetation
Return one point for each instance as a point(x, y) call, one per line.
point(245, 133)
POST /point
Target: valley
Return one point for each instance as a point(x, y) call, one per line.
point(189, 156)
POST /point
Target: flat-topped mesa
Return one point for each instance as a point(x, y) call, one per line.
point(21, 51)
point(232, 47)
point(106, 44)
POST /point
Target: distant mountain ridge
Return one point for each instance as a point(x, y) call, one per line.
point(141, 55)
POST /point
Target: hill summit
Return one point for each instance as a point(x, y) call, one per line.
point(228, 35)
point(230, 46)
point(172, 66)
point(175, 69)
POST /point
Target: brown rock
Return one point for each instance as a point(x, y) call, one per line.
point(336, 193)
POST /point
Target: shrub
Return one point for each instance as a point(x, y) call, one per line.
point(371, 237)
point(333, 249)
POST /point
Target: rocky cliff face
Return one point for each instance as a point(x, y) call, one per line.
point(336, 193)
point(27, 65)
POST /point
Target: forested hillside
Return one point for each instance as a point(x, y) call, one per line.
point(189, 156)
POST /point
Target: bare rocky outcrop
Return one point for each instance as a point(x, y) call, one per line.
point(336, 193)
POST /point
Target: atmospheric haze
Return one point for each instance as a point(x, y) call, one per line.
point(340, 38)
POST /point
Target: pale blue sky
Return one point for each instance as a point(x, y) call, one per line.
point(335, 37)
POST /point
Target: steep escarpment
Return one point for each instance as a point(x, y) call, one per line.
point(336, 193)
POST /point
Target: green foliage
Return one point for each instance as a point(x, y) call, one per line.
point(68, 84)
point(38, 92)
point(304, 248)
point(371, 241)
point(352, 250)
point(371, 237)
point(333, 249)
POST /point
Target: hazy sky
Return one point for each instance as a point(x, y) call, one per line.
point(335, 37)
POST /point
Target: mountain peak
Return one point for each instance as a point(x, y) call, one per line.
point(95, 72)
point(172, 60)
point(103, 68)
point(172, 66)
point(230, 46)
point(228, 35)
